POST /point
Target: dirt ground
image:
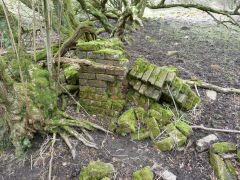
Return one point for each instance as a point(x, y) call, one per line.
point(205, 51)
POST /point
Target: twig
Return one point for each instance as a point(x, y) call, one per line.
point(214, 129)
point(173, 100)
point(212, 87)
point(50, 162)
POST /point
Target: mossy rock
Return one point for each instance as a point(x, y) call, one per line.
point(143, 174)
point(142, 134)
point(166, 144)
point(222, 148)
point(156, 106)
point(152, 127)
point(127, 122)
point(113, 43)
point(140, 113)
point(184, 128)
point(139, 68)
point(71, 74)
point(117, 105)
point(97, 170)
point(163, 116)
point(231, 169)
point(177, 136)
point(219, 167)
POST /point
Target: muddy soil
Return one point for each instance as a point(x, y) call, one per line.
point(206, 52)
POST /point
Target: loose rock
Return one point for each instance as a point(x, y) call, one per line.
point(204, 143)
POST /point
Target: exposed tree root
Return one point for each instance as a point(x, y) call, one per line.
point(64, 136)
point(212, 87)
point(51, 159)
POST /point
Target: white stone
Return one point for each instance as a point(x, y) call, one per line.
point(167, 175)
point(204, 143)
point(211, 94)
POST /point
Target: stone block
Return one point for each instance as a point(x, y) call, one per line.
point(97, 83)
point(149, 91)
point(152, 127)
point(170, 77)
point(142, 89)
point(83, 82)
point(161, 78)
point(106, 62)
point(181, 98)
point(167, 175)
point(137, 85)
point(223, 147)
point(148, 73)
point(166, 144)
point(153, 77)
point(219, 167)
point(87, 76)
point(205, 142)
point(184, 128)
point(87, 88)
point(101, 90)
point(97, 68)
point(82, 55)
point(127, 122)
point(143, 174)
point(105, 77)
point(156, 94)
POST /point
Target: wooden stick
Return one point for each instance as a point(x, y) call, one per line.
point(214, 129)
point(50, 162)
point(212, 87)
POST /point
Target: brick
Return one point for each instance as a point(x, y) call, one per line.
point(153, 77)
point(149, 91)
point(101, 90)
point(121, 63)
point(143, 88)
point(161, 78)
point(97, 83)
point(97, 68)
point(105, 77)
point(112, 56)
point(82, 54)
point(87, 76)
point(83, 82)
point(106, 62)
point(148, 73)
point(87, 88)
point(156, 94)
point(170, 77)
point(137, 85)
point(181, 98)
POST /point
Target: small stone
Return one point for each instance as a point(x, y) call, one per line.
point(167, 175)
point(172, 53)
point(184, 128)
point(211, 94)
point(205, 142)
point(64, 163)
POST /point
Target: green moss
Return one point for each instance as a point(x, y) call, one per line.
point(96, 170)
point(117, 105)
point(178, 137)
point(113, 43)
point(140, 66)
point(142, 134)
point(112, 125)
point(143, 174)
point(127, 122)
point(238, 154)
point(156, 106)
point(219, 167)
point(152, 127)
point(185, 89)
point(176, 87)
point(156, 115)
point(166, 144)
point(166, 116)
point(231, 169)
point(42, 54)
point(223, 147)
point(140, 114)
point(184, 128)
point(71, 74)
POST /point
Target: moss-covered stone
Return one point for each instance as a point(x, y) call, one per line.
point(139, 68)
point(127, 122)
point(140, 113)
point(117, 105)
point(162, 115)
point(71, 74)
point(177, 136)
point(113, 43)
point(166, 116)
point(166, 144)
point(97, 170)
point(152, 127)
point(231, 169)
point(176, 87)
point(142, 134)
point(143, 174)
point(184, 128)
point(157, 115)
point(112, 125)
point(111, 54)
point(219, 167)
point(223, 147)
